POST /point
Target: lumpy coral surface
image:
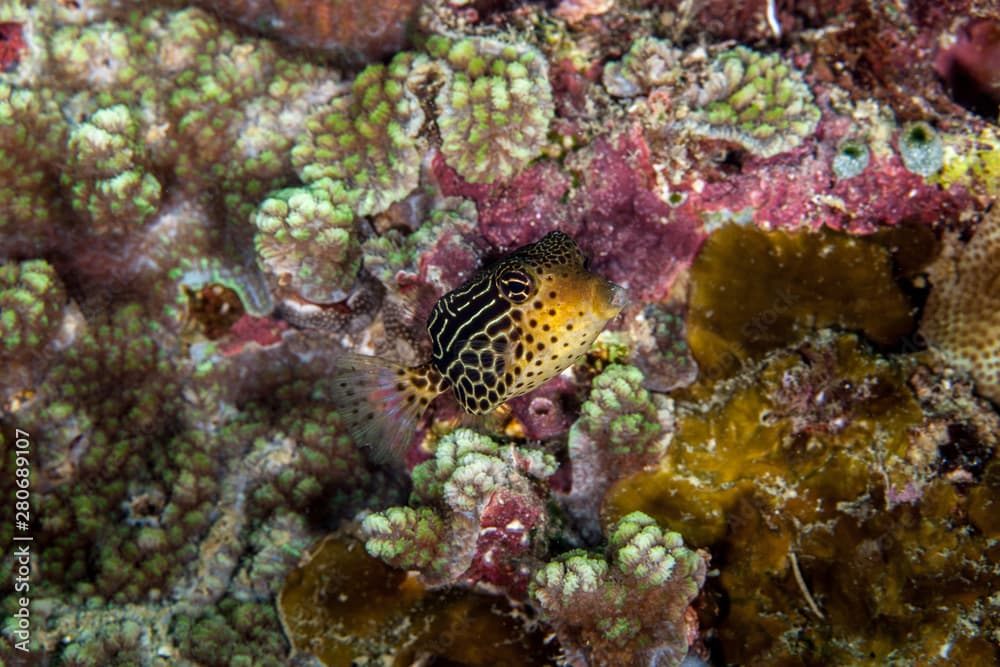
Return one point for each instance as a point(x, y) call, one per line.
point(782, 451)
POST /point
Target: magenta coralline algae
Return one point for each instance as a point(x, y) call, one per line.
point(614, 208)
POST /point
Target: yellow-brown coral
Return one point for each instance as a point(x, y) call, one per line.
point(815, 482)
point(962, 317)
point(346, 608)
point(753, 291)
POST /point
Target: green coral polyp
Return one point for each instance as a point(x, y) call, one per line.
point(368, 139)
point(31, 302)
point(494, 108)
point(106, 172)
point(629, 605)
point(449, 491)
point(306, 240)
point(620, 412)
point(759, 102)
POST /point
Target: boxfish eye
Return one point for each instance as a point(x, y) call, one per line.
point(516, 285)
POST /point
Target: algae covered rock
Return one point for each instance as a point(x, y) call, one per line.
point(823, 480)
point(753, 291)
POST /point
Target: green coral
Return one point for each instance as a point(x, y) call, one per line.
point(756, 100)
point(234, 633)
point(107, 401)
point(109, 62)
point(32, 135)
point(409, 538)
point(307, 240)
point(117, 645)
point(388, 255)
point(494, 108)
point(307, 462)
point(620, 414)
point(454, 450)
point(368, 139)
point(109, 184)
point(661, 350)
point(235, 107)
point(437, 533)
point(32, 299)
point(617, 433)
point(628, 606)
point(649, 63)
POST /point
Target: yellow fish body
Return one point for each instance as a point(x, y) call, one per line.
point(513, 326)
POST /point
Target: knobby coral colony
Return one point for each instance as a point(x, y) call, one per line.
point(289, 290)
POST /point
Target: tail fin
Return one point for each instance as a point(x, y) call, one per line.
point(381, 402)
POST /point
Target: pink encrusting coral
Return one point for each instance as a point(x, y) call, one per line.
point(629, 233)
point(11, 44)
point(801, 189)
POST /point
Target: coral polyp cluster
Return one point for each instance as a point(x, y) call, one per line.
point(781, 449)
point(961, 320)
point(479, 516)
point(107, 172)
point(495, 107)
point(32, 299)
point(757, 101)
point(367, 139)
point(307, 240)
point(645, 569)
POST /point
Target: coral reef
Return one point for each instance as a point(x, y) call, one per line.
point(494, 108)
point(755, 100)
point(478, 515)
point(821, 479)
point(206, 208)
point(629, 607)
point(961, 318)
point(367, 139)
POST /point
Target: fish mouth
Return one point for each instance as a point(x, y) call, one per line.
point(611, 298)
point(619, 296)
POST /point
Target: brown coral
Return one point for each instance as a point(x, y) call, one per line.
point(962, 318)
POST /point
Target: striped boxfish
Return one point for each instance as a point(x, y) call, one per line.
point(513, 326)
